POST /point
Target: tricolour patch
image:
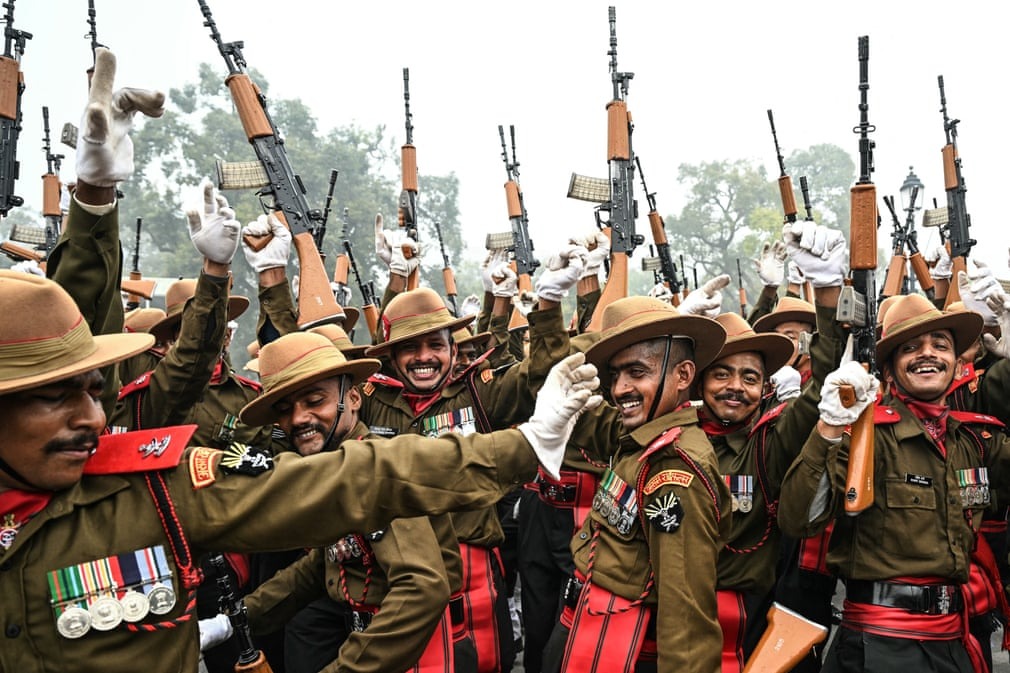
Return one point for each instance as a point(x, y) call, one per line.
point(201, 466)
point(676, 477)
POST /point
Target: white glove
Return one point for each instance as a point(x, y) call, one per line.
point(524, 302)
point(818, 251)
point(865, 386)
point(214, 631)
point(796, 276)
point(999, 304)
point(976, 286)
point(29, 266)
point(470, 305)
point(772, 263)
point(662, 292)
point(561, 272)
point(494, 258)
point(940, 265)
point(787, 383)
point(504, 280)
point(275, 253)
point(566, 393)
point(707, 299)
point(104, 149)
point(399, 263)
point(341, 293)
point(597, 247)
point(382, 247)
point(215, 231)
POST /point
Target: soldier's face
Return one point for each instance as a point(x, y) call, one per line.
point(731, 387)
point(424, 361)
point(793, 329)
point(49, 432)
point(635, 376)
point(465, 355)
point(308, 414)
point(923, 367)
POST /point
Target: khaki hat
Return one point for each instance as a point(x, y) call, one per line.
point(46, 346)
point(913, 315)
point(412, 314)
point(776, 349)
point(180, 292)
point(142, 319)
point(788, 309)
point(294, 361)
point(141, 288)
point(338, 337)
point(631, 320)
point(465, 335)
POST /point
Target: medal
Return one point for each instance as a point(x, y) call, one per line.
point(162, 599)
point(74, 622)
point(106, 613)
point(614, 516)
point(598, 501)
point(331, 553)
point(746, 503)
point(135, 606)
point(735, 502)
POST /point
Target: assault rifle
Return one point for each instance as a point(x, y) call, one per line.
point(92, 35)
point(278, 181)
point(785, 182)
point(51, 187)
point(958, 221)
point(619, 201)
point(808, 289)
point(407, 213)
point(742, 289)
point(137, 287)
point(683, 276)
point(661, 264)
point(448, 278)
point(250, 659)
point(905, 248)
point(369, 302)
point(787, 640)
point(857, 304)
point(12, 87)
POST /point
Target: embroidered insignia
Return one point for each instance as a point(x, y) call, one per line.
point(368, 389)
point(245, 459)
point(155, 447)
point(487, 375)
point(676, 477)
point(665, 513)
point(201, 466)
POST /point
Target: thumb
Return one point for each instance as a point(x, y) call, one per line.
point(194, 221)
point(714, 285)
point(150, 103)
point(378, 223)
point(962, 282)
point(849, 353)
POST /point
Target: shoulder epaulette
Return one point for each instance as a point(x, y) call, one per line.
point(668, 437)
point(769, 416)
point(140, 451)
point(972, 417)
point(383, 380)
point(883, 415)
point(367, 389)
point(250, 383)
point(139, 383)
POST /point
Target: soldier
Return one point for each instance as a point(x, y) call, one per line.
point(141, 320)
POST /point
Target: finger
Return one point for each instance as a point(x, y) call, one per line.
point(711, 287)
point(209, 200)
point(103, 78)
point(194, 221)
point(148, 103)
point(850, 349)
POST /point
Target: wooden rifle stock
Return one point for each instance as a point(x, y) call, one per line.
point(12, 80)
point(788, 198)
point(787, 639)
point(951, 183)
point(895, 278)
point(513, 203)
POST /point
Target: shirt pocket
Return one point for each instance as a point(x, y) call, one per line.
point(910, 519)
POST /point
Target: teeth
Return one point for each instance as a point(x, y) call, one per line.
point(631, 405)
point(424, 371)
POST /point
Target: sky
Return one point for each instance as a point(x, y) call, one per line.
point(705, 75)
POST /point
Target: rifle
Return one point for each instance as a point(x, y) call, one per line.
point(905, 248)
point(369, 302)
point(139, 288)
point(683, 278)
point(250, 659)
point(857, 304)
point(743, 290)
point(92, 35)
point(788, 638)
point(958, 220)
point(12, 87)
point(447, 276)
point(919, 265)
point(808, 289)
point(894, 281)
point(51, 188)
point(316, 303)
point(340, 269)
point(407, 213)
point(661, 262)
point(518, 240)
point(785, 182)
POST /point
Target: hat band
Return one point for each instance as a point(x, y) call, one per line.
point(28, 358)
point(310, 362)
point(413, 325)
point(911, 322)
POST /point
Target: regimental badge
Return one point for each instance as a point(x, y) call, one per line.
point(155, 447)
point(974, 483)
point(665, 513)
point(245, 459)
point(8, 531)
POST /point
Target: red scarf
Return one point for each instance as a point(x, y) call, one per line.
point(714, 428)
point(17, 507)
point(420, 401)
point(933, 417)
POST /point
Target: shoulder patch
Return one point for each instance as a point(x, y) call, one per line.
point(885, 415)
point(139, 451)
point(245, 459)
point(675, 477)
point(383, 380)
point(972, 417)
point(367, 389)
point(202, 464)
point(769, 416)
point(249, 383)
point(665, 513)
point(669, 436)
point(139, 383)
point(486, 375)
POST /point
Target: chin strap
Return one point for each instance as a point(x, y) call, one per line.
point(344, 380)
point(662, 380)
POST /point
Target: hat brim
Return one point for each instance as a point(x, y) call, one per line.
point(110, 348)
point(478, 340)
point(237, 305)
point(775, 349)
point(768, 323)
point(351, 315)
point(708, 336)
point(386, 346)
point(966, 328)
point(261, 410)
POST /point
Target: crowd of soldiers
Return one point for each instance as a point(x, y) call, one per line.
point(659, 494)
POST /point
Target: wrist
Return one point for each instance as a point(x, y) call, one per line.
point(216, 269)
point(93, 195)
point(275, 275)
point(587, 285)
point(831, 433)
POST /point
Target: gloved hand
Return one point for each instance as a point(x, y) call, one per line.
point(389, 246)
point(561, 272)
point(524, 302)
point(341, 293)
point(999, 304)
point(941, 267)
point(29, 266)
point(104, 148)
point(864, 384)
point(976, 286)
point(215, 231)
point(494, 258)
point(275, 253)
point(796, 276)
point(470, 305)
point(504, 280)
point(662, 292)
point(566, 393)
point(214, 631)
point(597, 246)
point(787, 383)
point(707, 299)
point(771, 264)
point(818, 251)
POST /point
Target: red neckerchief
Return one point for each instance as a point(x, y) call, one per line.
point(965, 375)
point(219, 373)
point(715, 428)
point(805, 375)
point(933, 417)
point(420, 401)
point(17, 506)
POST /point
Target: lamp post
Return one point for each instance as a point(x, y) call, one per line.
point(912, 193)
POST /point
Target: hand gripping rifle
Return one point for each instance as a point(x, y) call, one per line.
point(407, 212)
point(12, 87)
point(51, 187)
point(857, 304)
point(250, 659)
point(785, 182)
point(958, 220)
point(448, 278)
point(661, 264)
point(276, 179)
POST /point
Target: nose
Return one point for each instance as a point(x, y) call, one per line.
point(88, 413)
point(620, 383)
point(300, 414)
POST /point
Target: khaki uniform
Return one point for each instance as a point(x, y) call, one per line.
point(360, 487)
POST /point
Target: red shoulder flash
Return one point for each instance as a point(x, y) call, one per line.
point(383, 380)
point(883, 415)
point(972, 417)
point(769, 416)
point(666, 439)
point(255, 385)
point(140, 450)
point(139, 383)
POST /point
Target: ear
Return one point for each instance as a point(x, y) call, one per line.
point(352, 400)
point(683, 375)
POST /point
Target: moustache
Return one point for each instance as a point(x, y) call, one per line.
point(732, 397)
point(83, 441)
point(942, 366)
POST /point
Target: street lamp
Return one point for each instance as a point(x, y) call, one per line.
point(912, 188)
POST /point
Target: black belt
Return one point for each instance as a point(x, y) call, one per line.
point(557, 492)
point(572, 591)
point(930, 599)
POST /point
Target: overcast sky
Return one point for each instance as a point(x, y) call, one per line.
point(705, 74)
